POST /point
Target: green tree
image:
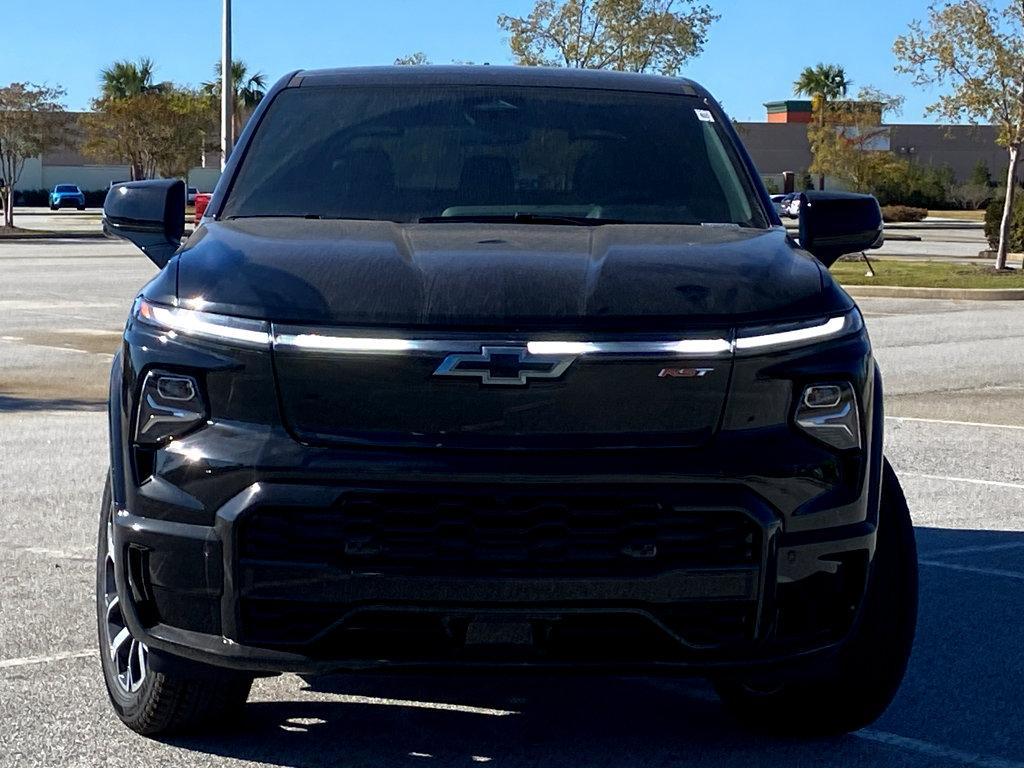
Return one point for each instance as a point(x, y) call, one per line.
point(249, 91)
point(852, 144)
point(980, 175)
point(125, 79)
point(974, 50)
point(32, 120)
point(154, 132)
point(822, 83)
point(626, 35)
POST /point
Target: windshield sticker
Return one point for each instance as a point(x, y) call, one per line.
point(704, 115)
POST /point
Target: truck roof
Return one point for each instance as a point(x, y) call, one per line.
point(551, 77)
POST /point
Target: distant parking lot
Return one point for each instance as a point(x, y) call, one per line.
point(955, 433)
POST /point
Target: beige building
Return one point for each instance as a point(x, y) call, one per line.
point(67, 165)
point(779, 147)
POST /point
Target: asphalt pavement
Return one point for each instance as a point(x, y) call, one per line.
point(954, 432)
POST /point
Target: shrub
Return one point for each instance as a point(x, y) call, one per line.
point(903, 213)
point(994, 217)
point(29, 198)
point(911, 184)
point(971, 197)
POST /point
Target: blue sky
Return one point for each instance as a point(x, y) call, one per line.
point(755, 50)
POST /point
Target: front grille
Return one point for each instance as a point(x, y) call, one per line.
point(522, 534)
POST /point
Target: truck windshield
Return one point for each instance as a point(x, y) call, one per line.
point(523, 154)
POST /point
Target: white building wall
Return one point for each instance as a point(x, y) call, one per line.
point(31, 176)
point(203, 179)
point(86, 177)
point(40, 176)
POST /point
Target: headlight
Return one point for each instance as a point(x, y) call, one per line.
point(223, 328)
point(170, 405)
point(828, 412)
point(767, 338)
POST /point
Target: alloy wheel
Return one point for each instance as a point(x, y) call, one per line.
point(127, 654)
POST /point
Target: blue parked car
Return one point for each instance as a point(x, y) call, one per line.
point(67, 195)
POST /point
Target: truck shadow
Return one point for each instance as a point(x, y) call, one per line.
point(959, 704)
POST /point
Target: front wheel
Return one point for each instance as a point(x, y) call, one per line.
point(862, 680)
point(147, 701)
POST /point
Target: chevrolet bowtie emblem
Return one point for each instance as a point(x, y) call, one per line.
point(504, 365)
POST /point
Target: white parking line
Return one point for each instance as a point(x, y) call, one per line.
point(357, 699)
point(974, 569)
point(18, 662)
point(941, 752)
point(923, 747)
point(958, 479)
point(954, 422)
point(91, 331)
point(52, 347)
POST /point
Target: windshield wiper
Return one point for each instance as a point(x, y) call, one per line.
point(521, 218)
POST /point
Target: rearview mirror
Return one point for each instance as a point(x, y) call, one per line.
point(151, 214)
point(833, 224)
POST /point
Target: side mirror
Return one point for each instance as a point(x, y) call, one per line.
point(833, 224)
point(151, 214)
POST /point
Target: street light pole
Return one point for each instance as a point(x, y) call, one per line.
point(227, 90)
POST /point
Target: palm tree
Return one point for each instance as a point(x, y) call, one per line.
point(249, 90)
point(823, 83)
point(125, 79)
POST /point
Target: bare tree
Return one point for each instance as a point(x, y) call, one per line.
point(626, 35)
point(32, 120)
point(413, 59)
point(974, 48)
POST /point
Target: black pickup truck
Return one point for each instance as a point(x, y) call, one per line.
point(498, 367)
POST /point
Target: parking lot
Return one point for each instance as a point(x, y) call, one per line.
point(955, 434)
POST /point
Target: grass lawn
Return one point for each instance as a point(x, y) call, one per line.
point(891, 272)
point(968, 216)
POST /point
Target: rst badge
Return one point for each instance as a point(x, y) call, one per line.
point(684, 373)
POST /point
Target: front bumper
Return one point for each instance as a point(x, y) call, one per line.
point(67, 202)
point(215, 594)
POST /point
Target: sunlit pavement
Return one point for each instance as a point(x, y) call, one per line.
point(955, 434)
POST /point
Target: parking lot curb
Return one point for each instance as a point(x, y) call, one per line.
point(919, 292)
point(48, 235)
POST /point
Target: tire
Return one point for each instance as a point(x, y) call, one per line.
point(79, 208)
point(149, 702)
point(54, 208)
point(857, 685)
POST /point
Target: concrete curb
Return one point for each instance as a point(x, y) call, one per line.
point(48, 235)
point(918, 292)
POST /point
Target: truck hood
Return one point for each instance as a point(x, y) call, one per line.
point(344, 272)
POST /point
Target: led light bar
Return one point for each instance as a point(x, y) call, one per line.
point(226, 328)
point(832, 327)
point(342, 343)
point(312, 339)
point(250, 332)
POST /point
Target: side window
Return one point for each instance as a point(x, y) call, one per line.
point(725, 172)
